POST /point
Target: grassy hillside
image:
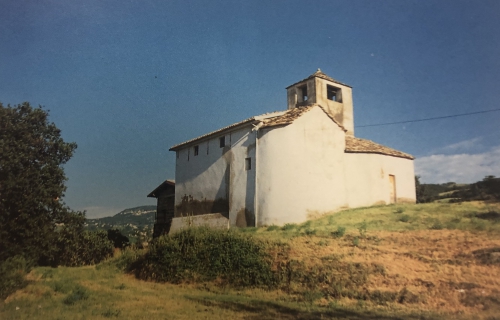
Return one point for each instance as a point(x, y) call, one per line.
point(426, 261)
point(135, 223)
point(487, 189)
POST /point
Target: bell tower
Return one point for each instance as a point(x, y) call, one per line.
point(334, 96)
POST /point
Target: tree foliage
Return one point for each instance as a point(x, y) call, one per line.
point(118, 239)
point(420, 190)
point(31, 183)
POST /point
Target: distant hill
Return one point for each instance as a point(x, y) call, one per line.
point(135, 223)
point(486, 190)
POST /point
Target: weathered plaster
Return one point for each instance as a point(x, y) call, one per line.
point(214, 220)
point(217, 181)
point(298, 169)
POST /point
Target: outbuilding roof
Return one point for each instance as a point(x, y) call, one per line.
point(165, 185)
point(357, 145)
point(319, 74)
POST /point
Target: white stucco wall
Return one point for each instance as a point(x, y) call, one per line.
point(300, 169)
point(219, 174)
point(193, 173)
point(303, 170)
point(242, 181)
point(368, 179)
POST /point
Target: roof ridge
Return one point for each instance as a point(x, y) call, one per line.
point(254, 118)
point(292, 114)
point(359, 145)
point(322, 75)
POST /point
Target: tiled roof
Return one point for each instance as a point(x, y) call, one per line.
point(357, 145)
point(320, 74)
point(163, 186)
point(282, 118)
point(234, 125)
point(295, 113)
point(271, 119)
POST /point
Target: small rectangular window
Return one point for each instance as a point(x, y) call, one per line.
point(248, 163)
point(333, 93)
point(222, 142)
point(196, 150)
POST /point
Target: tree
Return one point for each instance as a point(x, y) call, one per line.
point(118, 239)
point(420, 190)
point(32, 183)
point(492, 187)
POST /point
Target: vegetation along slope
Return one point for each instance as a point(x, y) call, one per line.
point(423, 261)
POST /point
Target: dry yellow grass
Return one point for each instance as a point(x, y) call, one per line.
point(438, 265)
point(441, 268)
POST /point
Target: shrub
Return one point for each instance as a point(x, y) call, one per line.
point(355, 241)
point(488, 256)
point(272, 228)
point(339, 233)
point(62, 286)
point(383, 297)
point(323, 243)
point(437, 225)
point(362, 229)
point(127, 260)
point(79, 293)
point(289, 226)
point(203, 254)
point(310, 232)
point(83, 248)
point(118, 239)
point(406, 296)
point(404, 218)
point(13, 275)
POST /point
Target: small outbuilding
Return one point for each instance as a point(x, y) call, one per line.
point(165, 195)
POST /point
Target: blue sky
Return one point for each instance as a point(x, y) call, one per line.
point(126, 80)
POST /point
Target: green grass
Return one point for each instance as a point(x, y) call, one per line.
point(465, 216)
point(305, 290)
point(92, 293)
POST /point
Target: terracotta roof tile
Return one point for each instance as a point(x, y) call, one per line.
point(288, 117)
point(357, 145)
point(293, 114)
point(320, 74)
point(234, 125)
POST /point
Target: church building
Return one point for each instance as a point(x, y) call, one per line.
point(288, 166)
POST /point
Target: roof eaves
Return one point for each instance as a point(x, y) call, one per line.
point(165, 183)
point(319, 74)
point(403, 155)
point(358, 145)
point(230, 127)
point(295, 113)
point(286, 118)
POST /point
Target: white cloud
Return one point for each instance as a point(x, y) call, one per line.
point(463, 145)
point(460, 168)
